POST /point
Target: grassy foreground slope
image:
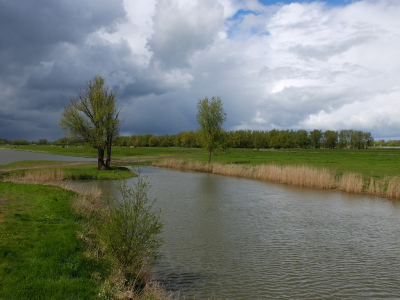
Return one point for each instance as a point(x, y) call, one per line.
point(40, 254)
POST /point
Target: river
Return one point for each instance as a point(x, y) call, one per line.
point(232, 238)
point(10, 156)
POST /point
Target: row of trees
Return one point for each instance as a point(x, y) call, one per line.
point(238, 139)
point(258, 139)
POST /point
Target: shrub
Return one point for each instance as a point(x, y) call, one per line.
point(131, 230)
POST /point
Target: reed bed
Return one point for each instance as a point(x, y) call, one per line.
point(351, 183)
point(299, 175)
point(37, 176)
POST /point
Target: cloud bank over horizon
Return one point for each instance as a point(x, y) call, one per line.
point(302, 65)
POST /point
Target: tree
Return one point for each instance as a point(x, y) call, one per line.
point(92, 116)
point(302, 139)
point(331, 138)
point(210, 116)
point(343, 138)
point(315, 137)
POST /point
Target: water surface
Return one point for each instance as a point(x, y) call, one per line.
point(10, 156)
point(232, 238)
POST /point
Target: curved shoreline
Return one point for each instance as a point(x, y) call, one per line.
point(297, 175)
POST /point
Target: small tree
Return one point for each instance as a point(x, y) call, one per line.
point(131, 230)
point(92, 116)
point(210, 117)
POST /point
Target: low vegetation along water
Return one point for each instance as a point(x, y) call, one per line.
point(231, 238)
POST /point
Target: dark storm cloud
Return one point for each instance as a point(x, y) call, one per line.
point(319, 67)
point(44, 57)
point(29, 30)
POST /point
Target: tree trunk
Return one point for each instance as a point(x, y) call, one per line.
point(108, 160)
point(100, 159)
point(209, 156)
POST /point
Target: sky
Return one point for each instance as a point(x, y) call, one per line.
point(326, 65)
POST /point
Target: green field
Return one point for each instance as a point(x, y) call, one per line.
point(374, 162)
point(40, 254)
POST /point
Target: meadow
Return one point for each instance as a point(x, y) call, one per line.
point(372, 162)
point(41, 256)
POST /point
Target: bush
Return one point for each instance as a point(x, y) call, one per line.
point(131, 230)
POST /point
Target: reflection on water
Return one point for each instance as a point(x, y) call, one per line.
point(231, 238)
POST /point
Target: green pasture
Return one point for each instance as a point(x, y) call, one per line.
point(368, 162)
point(40, 254)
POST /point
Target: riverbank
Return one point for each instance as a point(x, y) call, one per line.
point(52, 245)
point(55, 171)
point(371, 171)
point(298, 175)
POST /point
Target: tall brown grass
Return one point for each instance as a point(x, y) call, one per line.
point(38, 176)
point(299, 175)
point(351, 183)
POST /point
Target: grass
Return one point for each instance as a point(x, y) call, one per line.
point(375, 162)
point(41, 171)
point(40, 254)
point(31, 164)
point(52, 246)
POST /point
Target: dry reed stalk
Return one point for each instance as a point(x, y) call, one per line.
point(296, 175)
point(351, 183)
point(44, 175)
point(88, 201)
point(38, 176)
point(393, 189)
point(377, 187)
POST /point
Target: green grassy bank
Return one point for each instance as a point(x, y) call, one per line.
point(40, 254)
point(55, 243)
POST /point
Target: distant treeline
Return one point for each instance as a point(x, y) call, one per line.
point(239, 139)
point(258, 139)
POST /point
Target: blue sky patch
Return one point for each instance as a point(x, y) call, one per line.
point(329, 2)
